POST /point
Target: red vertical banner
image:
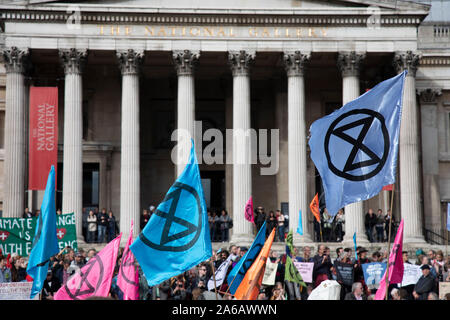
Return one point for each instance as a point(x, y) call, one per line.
point(43, 152)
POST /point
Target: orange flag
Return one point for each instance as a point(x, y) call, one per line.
point(250, 285)
point(314, 206)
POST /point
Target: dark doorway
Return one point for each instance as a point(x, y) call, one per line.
point(214, 189)
point(59, 183)
point(91, 184)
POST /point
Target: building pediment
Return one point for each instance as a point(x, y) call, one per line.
point(255, 12)
point(229, 5)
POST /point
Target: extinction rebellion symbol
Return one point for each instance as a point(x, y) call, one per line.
point(369, 119)
point(171, 218)
point(84, 287)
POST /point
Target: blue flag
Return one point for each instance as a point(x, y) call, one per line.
point(45, 242)
point(300, 225)
point(355, 148)
point(354, 243)
point(176, 238)
point(239, 270)
point(448, 216)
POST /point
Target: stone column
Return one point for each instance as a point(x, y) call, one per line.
point(15, 60)
point(240, 62)
point(73, 61)
point(430, 157)
point(130, 204)
point(184, 63)
point(410, 184)
point(295, 66)
point(349, 65)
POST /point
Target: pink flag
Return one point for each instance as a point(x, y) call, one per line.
point(395, 265)
point(128, 277)
point(94, 279)
point(249, 210)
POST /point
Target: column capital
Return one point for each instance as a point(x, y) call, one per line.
point(349, 63)
point(73, 60)
point(16, 60)
point(240, 61)
point(129, 60)
point(429, 95)
point(295, 62)
point(185, 61)
point(407, 61)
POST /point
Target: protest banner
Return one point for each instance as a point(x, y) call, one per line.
point(16, 234)
point(373, 272)
point(411, 274)
point(16, 291)
point(444, 288)
point(306, 270)
point(270, 273)
point(344, 272)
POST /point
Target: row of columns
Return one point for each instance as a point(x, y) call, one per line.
point(185, 61)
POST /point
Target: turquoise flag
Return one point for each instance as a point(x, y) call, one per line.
point(238, 272)
point(45, 242)
point(355, 148)
point(176, 238)
point(300, 224)
point(354, 243)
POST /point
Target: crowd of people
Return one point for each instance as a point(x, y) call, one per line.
point(193, 284)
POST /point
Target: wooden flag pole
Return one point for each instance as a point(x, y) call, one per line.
point(228, 289)
point(214, 277)
point(321, 238)
point(389, 243)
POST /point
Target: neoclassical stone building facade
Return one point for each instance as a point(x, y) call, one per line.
point(130, 72)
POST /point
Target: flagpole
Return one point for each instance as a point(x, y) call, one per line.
point(226, 292)
point(214, 277)
point(321, 238)
point(389, 243)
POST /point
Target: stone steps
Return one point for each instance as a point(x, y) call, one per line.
point(280, 247)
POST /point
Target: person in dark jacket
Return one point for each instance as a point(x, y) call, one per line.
point(425, 284)
point(370, 221)
point(112, 230)
point(50, 287)
point(260, 217)
point(322, 266)
point(271, 223)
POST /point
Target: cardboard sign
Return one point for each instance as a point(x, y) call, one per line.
point(270, 273)
point(411, 274)
point(306, 270)
point(373, 272)
point(444, 288)
point(344, 272)
point(16, 291)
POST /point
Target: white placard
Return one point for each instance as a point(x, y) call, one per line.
point(16, 291)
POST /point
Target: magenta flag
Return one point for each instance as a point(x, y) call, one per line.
point(249, 210)
point(395, 265)
point(128, 277)
point(95, 278)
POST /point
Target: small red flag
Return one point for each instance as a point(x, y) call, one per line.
point(389, 187)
